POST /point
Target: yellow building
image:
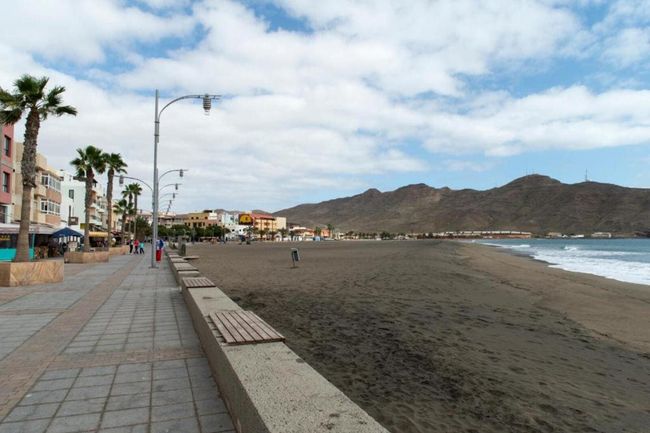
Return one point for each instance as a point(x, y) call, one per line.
point(201, 219)
point(46, 200)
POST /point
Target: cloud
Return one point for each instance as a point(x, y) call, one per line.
point(80, 31)
point(359, 95)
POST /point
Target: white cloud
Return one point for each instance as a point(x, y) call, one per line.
point(79, 31)
point(318, 110)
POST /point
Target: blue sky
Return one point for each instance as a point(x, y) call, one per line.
point(328, 99)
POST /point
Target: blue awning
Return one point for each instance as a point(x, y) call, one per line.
point(66, 232)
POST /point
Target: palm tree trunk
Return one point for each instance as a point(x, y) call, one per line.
point(89, 192)
point(135, 219)
point(28, 172)
point(22, 247)
point(124, 228)
point(109, 198)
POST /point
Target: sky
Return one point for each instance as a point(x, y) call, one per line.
point(327, 99)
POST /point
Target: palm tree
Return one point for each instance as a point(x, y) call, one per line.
point(124, 208)
point(128, 193)
point(330, 229)
point(30, 97)
point(90, 161)
point(133, 191)
point(115, 164)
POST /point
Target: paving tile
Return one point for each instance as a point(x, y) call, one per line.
point(94, 380)
point(140, 428)
point(171, 384)
point(130, 368)
point(34, 426)
point(138, 376)
point(125, 417)
point(60, 374)
point(131, 388)
point(186, 425)
point(169, 364)
point(49, 385)
point(210, 406)
point(170, 373)
point(172, 411)
point(84, 393)
point(35, 411)
point(171, 397)
point(97, 371)
point(128, 401)
point(216, 423)
point(75, 423)
point(44, 397)
point(78, 407)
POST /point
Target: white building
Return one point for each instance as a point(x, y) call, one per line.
point(73, 208)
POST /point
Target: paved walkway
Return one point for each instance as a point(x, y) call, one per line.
point(111, 349)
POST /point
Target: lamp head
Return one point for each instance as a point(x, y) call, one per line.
point(180, 173)
point(121, 180)
point(176, 187)
point(207, 104)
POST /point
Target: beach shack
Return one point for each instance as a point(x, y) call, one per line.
point(39, 238)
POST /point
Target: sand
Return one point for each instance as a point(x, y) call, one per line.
point(438, 336)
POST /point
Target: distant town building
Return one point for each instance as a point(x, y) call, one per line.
point(73, 209)
point(46, 200)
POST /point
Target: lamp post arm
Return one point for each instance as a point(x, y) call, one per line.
point(139, 180)
point(171, 171)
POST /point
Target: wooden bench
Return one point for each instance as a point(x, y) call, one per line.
point(196, 283)
point(244, 327)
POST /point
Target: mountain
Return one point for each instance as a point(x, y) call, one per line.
point(534, 203)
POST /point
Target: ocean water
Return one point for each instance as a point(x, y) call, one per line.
point(620, 259)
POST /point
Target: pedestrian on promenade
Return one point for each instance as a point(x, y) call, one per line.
point(142, 247)
point(130, 246)
point(136, 247)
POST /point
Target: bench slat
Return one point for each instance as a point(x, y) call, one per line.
point(244, 327)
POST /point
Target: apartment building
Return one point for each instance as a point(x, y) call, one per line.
point(204, 219)
point(73, 212)
point(46, 204)
point(7, 169)
point(269, 223)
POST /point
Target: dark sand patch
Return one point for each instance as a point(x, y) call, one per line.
point(438, 337)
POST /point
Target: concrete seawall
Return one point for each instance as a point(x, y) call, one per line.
point(266, 386)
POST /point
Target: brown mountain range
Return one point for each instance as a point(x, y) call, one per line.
point(533, 203)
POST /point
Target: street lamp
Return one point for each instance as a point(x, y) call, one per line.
point(207, 105)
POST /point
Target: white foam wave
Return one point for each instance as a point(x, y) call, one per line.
point(622, 270)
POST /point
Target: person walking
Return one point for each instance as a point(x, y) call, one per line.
point(130, 246)
point(136, 247)
point(142, 247)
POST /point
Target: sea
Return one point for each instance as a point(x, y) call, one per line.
point(620, 259)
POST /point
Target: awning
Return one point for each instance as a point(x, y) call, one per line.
point(66, 232)
point(98, 234)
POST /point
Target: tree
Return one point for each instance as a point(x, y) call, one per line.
point(88, 162)
point(123, 208)
point(30, 97)
point(283, 232)
point(330, 229)
point(131, 192)
point(318, 231)
point(114, 164)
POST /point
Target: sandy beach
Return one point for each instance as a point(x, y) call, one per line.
point(435, 336)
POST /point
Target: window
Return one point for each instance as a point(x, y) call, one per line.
point(6, 182)
point(7, 146)
point(71, 194)
point(44, 206)
point(48, 181)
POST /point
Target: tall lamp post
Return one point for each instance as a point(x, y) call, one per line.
point(207, 105)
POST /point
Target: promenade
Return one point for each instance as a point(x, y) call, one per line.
point(111, 349)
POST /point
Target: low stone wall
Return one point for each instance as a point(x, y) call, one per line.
point(30, 273)
point(267, 387)
point(83, 257)
point(119, 250)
